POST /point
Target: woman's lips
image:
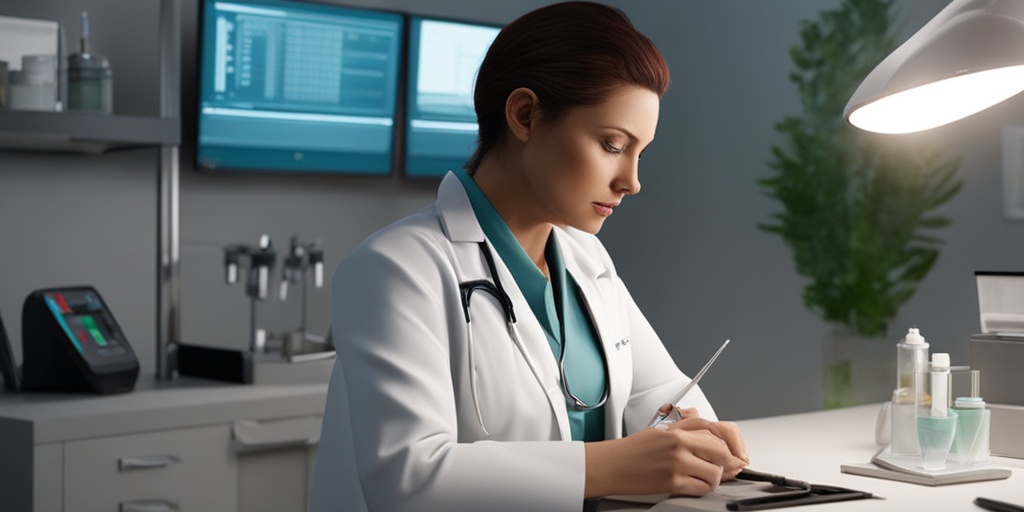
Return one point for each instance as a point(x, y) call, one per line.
point(604, 209)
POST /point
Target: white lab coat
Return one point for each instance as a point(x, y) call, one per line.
point(402, 428)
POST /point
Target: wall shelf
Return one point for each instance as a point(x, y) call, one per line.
point(84, 132)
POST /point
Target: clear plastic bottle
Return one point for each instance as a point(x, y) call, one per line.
point(972, 430)
point(911, 359)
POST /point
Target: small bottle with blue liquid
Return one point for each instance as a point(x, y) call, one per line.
point(972, 429)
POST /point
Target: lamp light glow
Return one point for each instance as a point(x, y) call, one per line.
point(968, 58)
point(939, 103)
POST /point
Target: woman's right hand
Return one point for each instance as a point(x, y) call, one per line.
point(678, 460)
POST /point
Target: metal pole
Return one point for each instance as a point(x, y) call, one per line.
point(168, 271)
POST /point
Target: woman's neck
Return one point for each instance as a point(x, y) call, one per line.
point(515, 201)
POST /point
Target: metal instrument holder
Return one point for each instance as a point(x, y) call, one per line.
point(302, 257)
point(261, 260)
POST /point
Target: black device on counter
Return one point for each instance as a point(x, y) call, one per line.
point(71, 342)
point(7, 367)
point(214, 363)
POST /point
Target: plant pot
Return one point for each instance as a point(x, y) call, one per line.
point(856, 369)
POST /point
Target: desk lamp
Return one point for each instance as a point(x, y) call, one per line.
point(969, 57)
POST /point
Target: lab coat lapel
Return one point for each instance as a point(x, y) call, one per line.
point(596, 284)
point(460, 225)
point(535, 348)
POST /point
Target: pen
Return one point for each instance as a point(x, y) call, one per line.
point(659, 416)
point(997, 506)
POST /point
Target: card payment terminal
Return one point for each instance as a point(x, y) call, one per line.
point(71, 342)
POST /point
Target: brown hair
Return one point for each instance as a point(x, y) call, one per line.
point(569, 54)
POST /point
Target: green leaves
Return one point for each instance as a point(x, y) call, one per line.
point(857, 206)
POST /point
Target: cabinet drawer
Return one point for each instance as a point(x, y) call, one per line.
point(177, 470)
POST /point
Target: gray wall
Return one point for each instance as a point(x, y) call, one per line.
point(688, 245)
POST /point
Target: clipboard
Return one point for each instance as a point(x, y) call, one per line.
point(752, 490)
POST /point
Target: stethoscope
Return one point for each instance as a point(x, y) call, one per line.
point(495, 290)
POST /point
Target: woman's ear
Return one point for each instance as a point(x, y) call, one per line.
point(522, 109)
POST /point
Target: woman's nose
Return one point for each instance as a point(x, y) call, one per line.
point(628, 181)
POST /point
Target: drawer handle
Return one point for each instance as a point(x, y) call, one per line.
point(267, 435)
point(153, 461)
point(148, 506)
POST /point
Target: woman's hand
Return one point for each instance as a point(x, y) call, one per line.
point(724, 430)
point(690, 457)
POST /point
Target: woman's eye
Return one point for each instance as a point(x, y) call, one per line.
point(612, 148)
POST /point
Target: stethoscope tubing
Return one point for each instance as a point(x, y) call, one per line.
point(495, 289)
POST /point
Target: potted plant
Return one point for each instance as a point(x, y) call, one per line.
point(857, 207)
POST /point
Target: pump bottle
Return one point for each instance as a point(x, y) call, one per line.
point(90, 87)
point(911, 360)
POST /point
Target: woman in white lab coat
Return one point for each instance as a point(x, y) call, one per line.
point(489, 355)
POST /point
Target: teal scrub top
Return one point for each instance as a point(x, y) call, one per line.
point(552, 302)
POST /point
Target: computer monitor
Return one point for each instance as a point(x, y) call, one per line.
point(440, 126)
point(293, 86)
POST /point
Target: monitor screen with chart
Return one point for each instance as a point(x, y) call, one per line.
point(441, 129)
point(287, 86)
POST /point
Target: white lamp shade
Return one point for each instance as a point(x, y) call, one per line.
point(966, 59)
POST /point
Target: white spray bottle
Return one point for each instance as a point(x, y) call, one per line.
point(911, 360)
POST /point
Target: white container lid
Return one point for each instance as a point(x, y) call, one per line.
point(39, 69)
point(969, 402)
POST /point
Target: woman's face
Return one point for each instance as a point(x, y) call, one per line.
point(581, 167)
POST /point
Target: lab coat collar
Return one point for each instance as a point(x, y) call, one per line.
point(456, 212)
point(460, 225)
point(578, 261)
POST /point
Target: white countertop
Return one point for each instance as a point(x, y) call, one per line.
point(812, 447)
